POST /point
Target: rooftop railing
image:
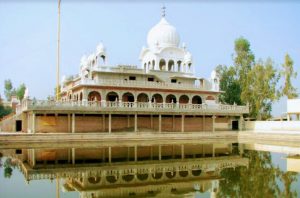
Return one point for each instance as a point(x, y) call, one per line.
point(144, 84)
point(119, 106)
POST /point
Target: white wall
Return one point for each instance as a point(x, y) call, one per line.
point(272, 125)
point(293, 106)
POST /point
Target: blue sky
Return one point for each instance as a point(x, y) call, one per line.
point(28, 33)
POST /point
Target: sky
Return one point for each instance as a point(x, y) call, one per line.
point(28, 35)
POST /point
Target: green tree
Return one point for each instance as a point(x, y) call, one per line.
point(8, 168)
point(21, 91)
point(248, 82)
point(261, 179)
point(229, 84)
point(288, 73)
point(4, 110)
point(287, 179)
point(262, 86)
point(8, 89)
point(244, 60)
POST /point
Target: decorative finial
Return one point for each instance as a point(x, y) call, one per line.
point(163, 11)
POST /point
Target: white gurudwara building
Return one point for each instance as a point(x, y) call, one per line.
point(163, 94)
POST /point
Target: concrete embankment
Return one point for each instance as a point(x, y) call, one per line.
point(9, 140)
point(277, 137)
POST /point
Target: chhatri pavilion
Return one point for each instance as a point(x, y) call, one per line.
point(163, 94)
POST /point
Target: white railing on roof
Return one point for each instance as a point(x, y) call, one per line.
point(134, 83)
point(118, 106)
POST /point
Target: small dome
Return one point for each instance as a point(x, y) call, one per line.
point(163, 35)
point(100, 48)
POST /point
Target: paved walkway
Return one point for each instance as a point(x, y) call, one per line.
point(8, 139)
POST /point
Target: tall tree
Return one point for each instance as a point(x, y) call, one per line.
point(244, 60)
point(288, 73)
point(264, 79)
point(21, 91)
point(8, 89)
point(249, 82)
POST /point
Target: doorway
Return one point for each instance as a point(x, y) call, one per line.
point(235, 125)
point(18, 125)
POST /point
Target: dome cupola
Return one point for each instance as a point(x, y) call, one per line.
point(163, 35)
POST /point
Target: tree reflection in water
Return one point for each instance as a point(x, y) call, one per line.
point(260, 179)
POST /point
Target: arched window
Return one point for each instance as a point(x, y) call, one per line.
point(179, 66)
point(162, 65)
point(112, 96)
point(171, 98)
point(80, 97)
point(153, 64)
point(128, 97)
point(94, 96)
point(196, 100)
point(103, 58)
point(142, 97)
point(157, 98)
point(184, 99)
point(190, 67)
point(170, 65)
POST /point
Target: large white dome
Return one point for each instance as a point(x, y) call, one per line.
point(163, 35)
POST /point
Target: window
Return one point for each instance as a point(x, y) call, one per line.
point(132, 77)
point(151, 79)
point(173, 80)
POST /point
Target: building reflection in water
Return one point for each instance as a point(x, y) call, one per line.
point(133, 170)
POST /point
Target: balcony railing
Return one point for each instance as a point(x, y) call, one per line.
point(119, 106)
point(144, 84)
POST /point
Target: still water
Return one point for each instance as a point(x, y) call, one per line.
point(158, 170)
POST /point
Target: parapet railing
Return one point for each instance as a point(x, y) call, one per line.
point(130, 106)
point(144, 84)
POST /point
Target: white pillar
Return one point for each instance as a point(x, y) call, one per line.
point(151, 121)
point(182, 151)
point(28, 122)
point(182, 123)
point(213, 123)
point(73, 123)
point(33, 123)
point(241, 123)
point(103, 122)
point(135, 122)
point(173, 123)
point(109, 123)
point(159, 123)
point(69, 123)
point(159, 152)
point(109, 154)
point(135, 153)
point(128, 121)
point(73, 155)
point(33, 157)
point(203, 123)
